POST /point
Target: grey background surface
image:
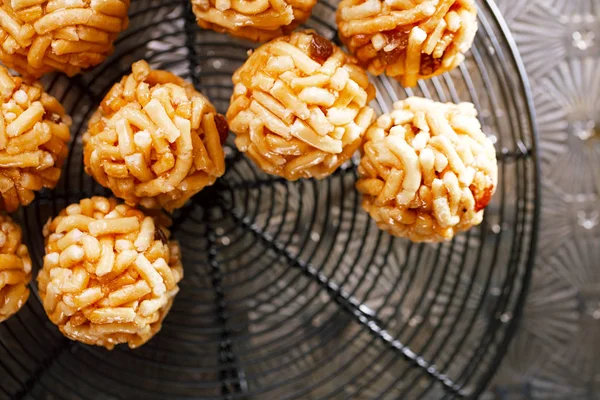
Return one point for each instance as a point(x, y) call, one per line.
point(555, 352)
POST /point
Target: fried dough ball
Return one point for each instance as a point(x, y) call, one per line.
point(37, 37)
point(155, 141)
point(257, 20)
point(408, 40)
point(34, 133)
point(15, 268)
point(110, 273)
point(300, 106)
point(427, 171)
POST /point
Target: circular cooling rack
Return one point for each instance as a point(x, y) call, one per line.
point(290, 290)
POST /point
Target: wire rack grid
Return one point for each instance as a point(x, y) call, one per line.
point(291, 292)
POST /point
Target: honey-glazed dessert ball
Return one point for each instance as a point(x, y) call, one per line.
point(15, 268)
point(257, 20)
point(299, 107)
point(40, 36)
point(408, 40)
point(155, 141)
point(427, 171)
point(110, 273)
point(34, 133)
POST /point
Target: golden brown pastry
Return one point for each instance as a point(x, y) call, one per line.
point(408, 39)
point(34, 133)
point(427, 170)
point(40, 36)
point(15, 268)
point(155, 141)
point(299, 106)
point(258, 20)
point(110, 273)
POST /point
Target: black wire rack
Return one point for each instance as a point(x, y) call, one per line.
point(291, 292)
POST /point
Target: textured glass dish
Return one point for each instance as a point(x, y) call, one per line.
point(556, 352)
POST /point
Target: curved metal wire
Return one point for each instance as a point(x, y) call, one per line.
point(290, 290)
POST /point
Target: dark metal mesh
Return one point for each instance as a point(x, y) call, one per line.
point(290, 290)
